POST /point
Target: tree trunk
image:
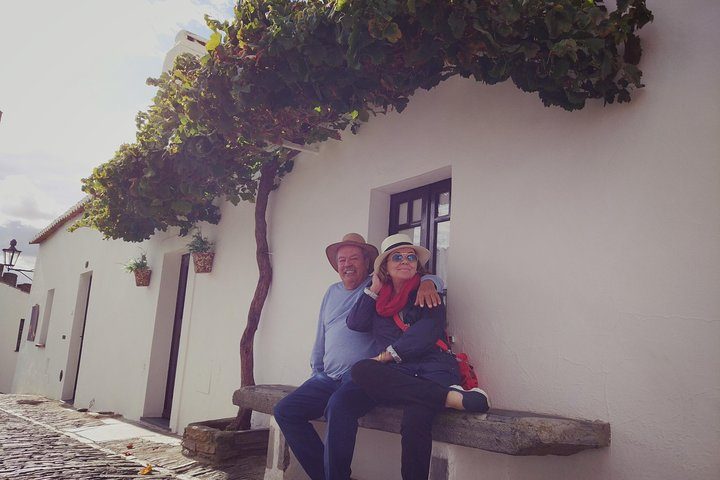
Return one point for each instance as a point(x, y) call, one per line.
point(262, 255)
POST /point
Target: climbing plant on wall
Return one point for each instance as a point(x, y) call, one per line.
point(304, 72)
point(300, 72)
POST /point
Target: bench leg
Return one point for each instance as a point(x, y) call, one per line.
point(439, 468)
point(281, 463)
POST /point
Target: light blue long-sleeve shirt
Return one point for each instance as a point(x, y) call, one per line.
point(337, 348)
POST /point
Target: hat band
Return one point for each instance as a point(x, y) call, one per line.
point(399, 244)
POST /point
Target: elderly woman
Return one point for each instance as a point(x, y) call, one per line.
point(412, 370)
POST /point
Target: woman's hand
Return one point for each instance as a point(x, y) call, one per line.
point(384, 357)
point(376, 284)
point(427, 295)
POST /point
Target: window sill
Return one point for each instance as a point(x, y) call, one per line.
point(40, 345)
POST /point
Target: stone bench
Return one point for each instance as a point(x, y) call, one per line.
point(501, 431)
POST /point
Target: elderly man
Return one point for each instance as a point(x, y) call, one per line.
point(330, 390)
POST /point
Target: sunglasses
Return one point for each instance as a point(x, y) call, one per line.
point(399, 257)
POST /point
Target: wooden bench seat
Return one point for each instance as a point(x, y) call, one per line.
point(501, 431)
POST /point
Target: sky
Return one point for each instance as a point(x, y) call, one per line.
point(72, 78)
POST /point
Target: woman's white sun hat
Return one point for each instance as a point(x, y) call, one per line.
point(396, 242)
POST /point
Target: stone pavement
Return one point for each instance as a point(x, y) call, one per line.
point(42, 439)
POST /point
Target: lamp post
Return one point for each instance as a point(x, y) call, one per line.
point(10, 255)
point(10, 258)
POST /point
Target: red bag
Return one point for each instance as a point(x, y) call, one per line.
point(468, 379)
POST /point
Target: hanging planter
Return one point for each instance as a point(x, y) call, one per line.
point(202, 253)
point(142, 277)
point(203, 261)
point(139, 267)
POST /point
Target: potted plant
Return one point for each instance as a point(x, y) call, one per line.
point(202, 253)
point(139, 267)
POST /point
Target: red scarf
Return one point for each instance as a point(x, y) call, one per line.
point(388, 304)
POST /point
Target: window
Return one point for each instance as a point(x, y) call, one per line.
point(33, 323)
point(45, 326)
point(19, 337)
point(424, 215)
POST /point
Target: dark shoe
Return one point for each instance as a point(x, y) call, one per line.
point(475, 400)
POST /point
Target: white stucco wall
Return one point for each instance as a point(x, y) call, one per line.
point(13, 307)
point(126, 339)
point(584, 269)
point(120, 321)
point(585, 262)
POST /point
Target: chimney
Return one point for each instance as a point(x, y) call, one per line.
point(10, 279)
point(25, 287)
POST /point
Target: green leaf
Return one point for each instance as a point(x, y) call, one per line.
point(411, 6)
point(558, 21)
point(606, 66)
point(244, 88)
point(530, 50)
point(509, 11)
point(594, 45)
point(181, 206)
point(214, 41)
point(393, 33)
point(353, 45)
point(632, 73)
point(354, 114)
point(241, 38)
point(457, 23)
point(567, 47)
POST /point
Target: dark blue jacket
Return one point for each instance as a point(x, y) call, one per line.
point(417, 343)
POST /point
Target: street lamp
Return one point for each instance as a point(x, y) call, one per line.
point(11, 254)
point(10, 258)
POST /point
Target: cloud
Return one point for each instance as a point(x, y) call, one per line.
point(74, 74)
point(23, 200)
point(73, 78)
point(28, 209)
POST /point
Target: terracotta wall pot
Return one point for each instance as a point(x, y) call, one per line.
point(203, 262)
point(142, 277)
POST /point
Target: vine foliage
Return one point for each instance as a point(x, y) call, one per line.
point(305, 71)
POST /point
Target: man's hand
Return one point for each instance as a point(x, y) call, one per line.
point(376, 284)
point(384, 357)
point(427, 295)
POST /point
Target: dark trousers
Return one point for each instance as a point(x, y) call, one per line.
point(422, 399)
point(342, 402)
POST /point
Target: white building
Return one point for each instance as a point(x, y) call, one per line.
point(583, 275)
point(14, 322)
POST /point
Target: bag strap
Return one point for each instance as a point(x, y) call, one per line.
point(404, 326)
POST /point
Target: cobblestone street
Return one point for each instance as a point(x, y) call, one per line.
point(41, 439)
point(30, 451)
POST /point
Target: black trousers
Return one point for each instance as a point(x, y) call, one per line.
point(422, 399)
